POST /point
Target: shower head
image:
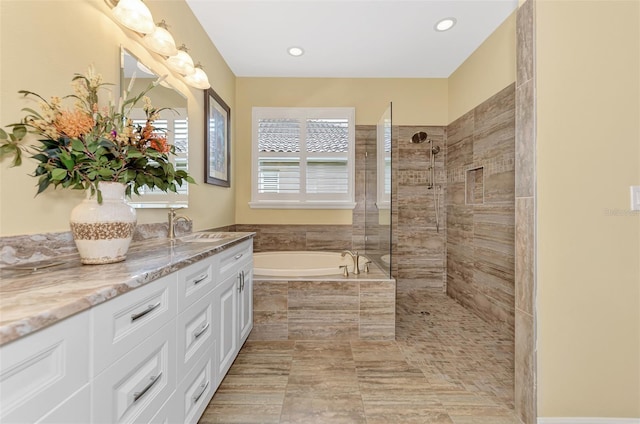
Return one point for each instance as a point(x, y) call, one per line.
point(419, 137)
point(435, 150)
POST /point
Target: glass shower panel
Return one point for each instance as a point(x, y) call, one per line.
point(378, 190)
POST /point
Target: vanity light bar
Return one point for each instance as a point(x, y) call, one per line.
point(135, 15)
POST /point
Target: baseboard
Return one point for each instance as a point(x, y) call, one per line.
point(548, 420)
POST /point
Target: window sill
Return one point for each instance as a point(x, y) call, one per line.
point(301, 205)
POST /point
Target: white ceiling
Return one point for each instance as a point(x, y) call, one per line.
point(348, 38)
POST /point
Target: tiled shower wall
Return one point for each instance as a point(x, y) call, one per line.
point(418, 246)
point(481, 209)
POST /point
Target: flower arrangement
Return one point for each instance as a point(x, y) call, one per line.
point(83, 145)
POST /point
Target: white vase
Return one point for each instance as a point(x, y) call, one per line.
point(103, 232)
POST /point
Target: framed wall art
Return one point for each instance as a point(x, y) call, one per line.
point(217, 140)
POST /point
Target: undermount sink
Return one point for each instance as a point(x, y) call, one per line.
point(206, 237)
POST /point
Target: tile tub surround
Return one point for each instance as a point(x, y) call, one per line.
point(324, 308)
point(30, 300)
point(480, 237)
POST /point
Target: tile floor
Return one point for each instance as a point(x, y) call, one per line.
point(446, 366)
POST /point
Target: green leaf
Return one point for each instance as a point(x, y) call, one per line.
point(104, 172)
point(41, 157)
point(77, 145)
point(19, 131)
point(3, 134)
point(67, 161)
point(58, 174)
point(43, 183)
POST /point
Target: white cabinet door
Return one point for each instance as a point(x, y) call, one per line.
point(226, 303)
point(245, 303)
point(41, 370)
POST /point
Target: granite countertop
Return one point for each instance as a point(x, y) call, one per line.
point(33, 299)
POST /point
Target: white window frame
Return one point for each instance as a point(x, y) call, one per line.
point(303, 200)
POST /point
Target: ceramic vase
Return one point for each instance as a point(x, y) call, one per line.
point(103, 231)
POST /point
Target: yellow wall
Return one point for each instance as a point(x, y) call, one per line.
point(489, 69)
point(42, 44)
point(588, 154)
point(415, 102)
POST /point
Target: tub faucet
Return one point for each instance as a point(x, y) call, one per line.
point(356, 258)
point(173, 219)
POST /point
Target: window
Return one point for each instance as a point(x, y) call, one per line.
point(303, 158)
point(175, 126)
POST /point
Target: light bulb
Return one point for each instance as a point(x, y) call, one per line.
point(198, 79)
point(181, 62)
point(134, 15)
point(160, 41)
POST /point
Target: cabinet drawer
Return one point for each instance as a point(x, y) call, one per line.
point(125, 321)
point(197, 388)
point(196, 333)
point(135, 387)
point(233, 258)
point(195, 281)
point(41, 370)
point(75, 410)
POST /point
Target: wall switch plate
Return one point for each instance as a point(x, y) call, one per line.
point(635, 198)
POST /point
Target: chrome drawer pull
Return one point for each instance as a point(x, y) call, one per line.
point(145, 312)
point(154, 380)
point(238, 256)
point(201, 279)
point(201, 332)
point(239, 282)
point(199, 395)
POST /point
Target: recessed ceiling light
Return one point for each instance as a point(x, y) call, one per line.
point(445, 24)
point(296, 51)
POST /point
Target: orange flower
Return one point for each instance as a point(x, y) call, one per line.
point(160, 144)
point(73, 123)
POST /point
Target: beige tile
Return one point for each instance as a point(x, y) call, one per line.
point(337, 409)
point(317, 295)
point(241, 414)
point(525, 383)
point(252, 389)
point(404, 413)
point(270, 295)
point(524, 254)
point(525, 140)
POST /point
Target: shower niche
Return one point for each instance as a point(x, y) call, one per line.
point(474, 186)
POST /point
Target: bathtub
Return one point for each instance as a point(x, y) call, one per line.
point(301, 263)
point(304, 296)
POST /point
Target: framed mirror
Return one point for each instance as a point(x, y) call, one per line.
point(175, 121)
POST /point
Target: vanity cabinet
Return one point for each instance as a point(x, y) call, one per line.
point(154, 354)
point(233, 297)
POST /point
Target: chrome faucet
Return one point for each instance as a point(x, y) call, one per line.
point(356, 259)
point(173, 219)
